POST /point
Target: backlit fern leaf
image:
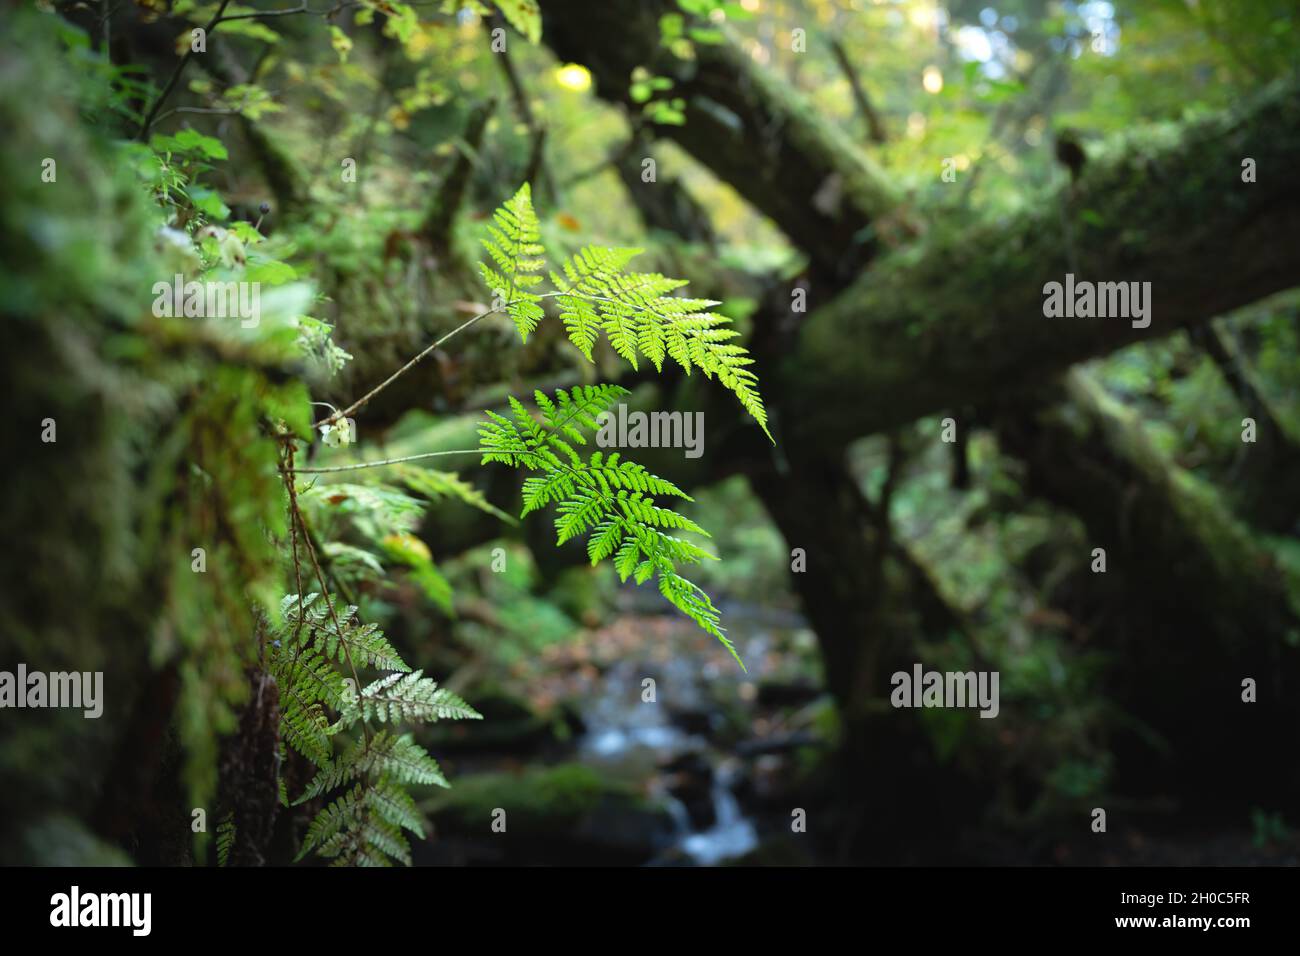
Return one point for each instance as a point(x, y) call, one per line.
point(639, 312)
point(603, 496)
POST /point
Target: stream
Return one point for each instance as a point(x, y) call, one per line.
point(673, 756)
point(629, 736)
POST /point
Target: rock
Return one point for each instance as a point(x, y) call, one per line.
point(782, 850)
point(698, 718)
point(787, 693)
point(565, 814)
point(676, 856)
point(772, 780)
point(688, 778)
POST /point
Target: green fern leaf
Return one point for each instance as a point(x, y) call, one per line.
point(513, 243)
point(639, 312)
point(608, 498)
point(412, 697)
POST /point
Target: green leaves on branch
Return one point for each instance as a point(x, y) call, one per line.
point(595, 293)
point(603, 496)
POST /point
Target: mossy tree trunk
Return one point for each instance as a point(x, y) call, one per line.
point(872, 607)
point(1201, 606)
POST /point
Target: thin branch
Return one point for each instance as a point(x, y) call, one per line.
point(329, 604)
point(348, 412)
point(195, 109)
point(257, 15)
point(176, 75)
point(386, 461)
point(861, 100)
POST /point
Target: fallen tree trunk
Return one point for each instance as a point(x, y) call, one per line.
point(958, 314)
point(961, 315)
point(872, 606)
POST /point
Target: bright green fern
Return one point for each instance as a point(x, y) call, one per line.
point(603, 496)
point(595, 293)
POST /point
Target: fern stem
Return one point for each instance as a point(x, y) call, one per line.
point(286, 473)
point(412, 363)
point(329, 604)
point(345, 413)
point(386, 461)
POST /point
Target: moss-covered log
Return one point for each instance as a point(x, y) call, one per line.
point(960, 315)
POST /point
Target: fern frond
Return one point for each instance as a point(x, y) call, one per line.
point(438, 485)
point(639, 312)
point(363, 827)
point(398, 759)
point(395, 805)
point(225, 839)
point(606, 497)
point(305, 727)
point(338, 817)
point(641, 317)
point(364, 643)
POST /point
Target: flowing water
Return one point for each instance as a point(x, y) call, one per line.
point(635, 737)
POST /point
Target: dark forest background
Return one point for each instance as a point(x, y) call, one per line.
point(875, 192)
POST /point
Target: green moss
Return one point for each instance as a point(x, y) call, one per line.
point(548, 800)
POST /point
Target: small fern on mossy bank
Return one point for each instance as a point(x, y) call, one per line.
point(364, 824)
